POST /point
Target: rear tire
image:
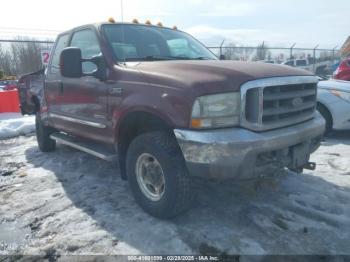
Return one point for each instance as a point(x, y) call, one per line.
point(45, 143)
point(327, 116)
point(176, 195)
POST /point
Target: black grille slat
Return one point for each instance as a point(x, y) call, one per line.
point(291, 119)
point(288, 95)
point(289, 109)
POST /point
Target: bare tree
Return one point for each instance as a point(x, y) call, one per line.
point(233, 52)
point(230, 52)
point(6, 64)
point(262, 52)
point(20, 57)
point(26, 56)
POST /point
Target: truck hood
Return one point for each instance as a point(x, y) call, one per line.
point(211, 76)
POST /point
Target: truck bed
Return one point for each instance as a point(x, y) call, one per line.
point(30, 88)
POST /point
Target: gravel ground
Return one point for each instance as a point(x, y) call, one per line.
point(68, 202)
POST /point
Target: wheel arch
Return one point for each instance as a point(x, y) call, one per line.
point(36, 103)
point(322, 106)
point(134, 124)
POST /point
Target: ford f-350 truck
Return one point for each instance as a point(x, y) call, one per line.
point(161, 105)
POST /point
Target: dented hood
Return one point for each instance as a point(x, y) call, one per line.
point(211, 76)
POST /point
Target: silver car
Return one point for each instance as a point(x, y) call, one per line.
point(334, 103)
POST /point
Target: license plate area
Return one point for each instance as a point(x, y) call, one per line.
point(300, 155)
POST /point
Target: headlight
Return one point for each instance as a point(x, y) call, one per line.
point(342, 95)
point(219, 110)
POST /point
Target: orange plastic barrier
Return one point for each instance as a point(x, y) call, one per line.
point(9, 101)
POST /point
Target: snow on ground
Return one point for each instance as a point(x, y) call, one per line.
point(68, 202)
point(14, 124)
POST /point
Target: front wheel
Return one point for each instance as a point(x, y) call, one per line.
point(158, 176)
point(45, 143)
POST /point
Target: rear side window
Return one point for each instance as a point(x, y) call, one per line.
point(62, 42)
point(87, 41)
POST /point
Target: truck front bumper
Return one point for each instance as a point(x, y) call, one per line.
point(241, 153)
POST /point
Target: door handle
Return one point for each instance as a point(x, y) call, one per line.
point(117, 91)
point(60, 87)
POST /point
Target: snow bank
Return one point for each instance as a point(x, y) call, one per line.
point(14, 124)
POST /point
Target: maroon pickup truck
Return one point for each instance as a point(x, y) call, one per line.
point(161, 105)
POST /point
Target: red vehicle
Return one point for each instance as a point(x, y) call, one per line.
point(166, 109)
point(8, 85)
point(343, 71)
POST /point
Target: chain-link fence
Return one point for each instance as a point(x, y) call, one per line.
point(319, 61)
point(20, 56)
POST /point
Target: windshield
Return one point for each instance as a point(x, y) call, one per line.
point(149, 43)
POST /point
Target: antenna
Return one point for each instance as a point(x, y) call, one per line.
point(122, 10)
point(123, 33)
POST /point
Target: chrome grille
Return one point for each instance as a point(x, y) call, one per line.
point(276, 102)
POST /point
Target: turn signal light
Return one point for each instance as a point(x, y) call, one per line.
point(196, 123)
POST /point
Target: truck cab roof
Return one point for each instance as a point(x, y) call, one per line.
point(98, 25)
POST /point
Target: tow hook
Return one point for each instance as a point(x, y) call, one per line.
point(310, 166)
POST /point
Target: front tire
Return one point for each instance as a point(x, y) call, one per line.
point(158, 176)
point(45, 143)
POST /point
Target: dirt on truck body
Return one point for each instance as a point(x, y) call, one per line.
point(162, 106)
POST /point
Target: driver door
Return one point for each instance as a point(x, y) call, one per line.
point(83, 101)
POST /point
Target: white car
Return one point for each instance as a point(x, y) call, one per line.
point(334, 103)
point(300, 63)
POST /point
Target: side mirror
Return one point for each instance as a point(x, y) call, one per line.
point(71, 62)
point(222, 57)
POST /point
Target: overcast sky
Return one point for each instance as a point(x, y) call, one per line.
point(247, 22)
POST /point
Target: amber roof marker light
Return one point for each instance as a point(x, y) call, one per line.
point(111, 20)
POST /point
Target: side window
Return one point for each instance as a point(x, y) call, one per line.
point(60, 45)
point(87, 41)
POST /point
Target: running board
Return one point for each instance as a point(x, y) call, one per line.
point(94, 149)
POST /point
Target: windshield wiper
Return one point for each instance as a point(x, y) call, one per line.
point(191, 58)
point(201, 58)
point(164, 58)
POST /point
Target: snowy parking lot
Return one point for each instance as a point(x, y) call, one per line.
point(68, 202)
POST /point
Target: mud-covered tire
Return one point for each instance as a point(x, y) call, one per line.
point(327, 116)
point(178, 193)
point(45, 143)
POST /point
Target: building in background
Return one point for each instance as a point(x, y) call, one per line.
point(345, 50)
